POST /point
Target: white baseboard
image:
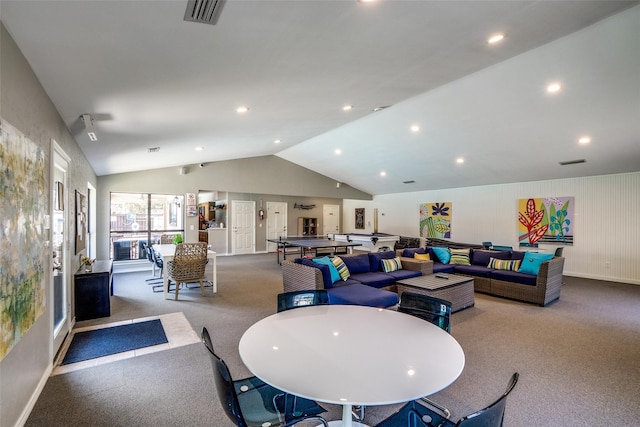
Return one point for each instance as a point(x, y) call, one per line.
point(34, 397)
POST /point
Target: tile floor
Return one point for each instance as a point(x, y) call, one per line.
point(177, 328)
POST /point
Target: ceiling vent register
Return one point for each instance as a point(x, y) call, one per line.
point(203, 11)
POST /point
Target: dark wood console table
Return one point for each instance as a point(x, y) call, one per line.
point(93, 290)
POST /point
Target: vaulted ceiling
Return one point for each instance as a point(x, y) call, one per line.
point(150, 79)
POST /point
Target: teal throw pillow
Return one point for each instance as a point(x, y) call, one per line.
point(335, 276)
point(443, 254)
point(532, 261)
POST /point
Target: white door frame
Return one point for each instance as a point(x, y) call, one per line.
point(62, 162)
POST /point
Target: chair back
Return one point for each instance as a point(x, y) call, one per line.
point(431, 309)
point(189, 261)
point(154, 256)
point(492, 415)
point(224, 383)
point(295, 299)
point(558, 252)
point(166, 239)
point(486, 245)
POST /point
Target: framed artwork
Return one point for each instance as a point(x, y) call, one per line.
point(435, 220)
point(359, 218)
point(546, 220)
point(25, 223)
point(82, 218)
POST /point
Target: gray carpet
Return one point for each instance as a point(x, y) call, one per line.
point(579, 358)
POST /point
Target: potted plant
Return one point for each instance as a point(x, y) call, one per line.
point(177, 239)
point(87, 263)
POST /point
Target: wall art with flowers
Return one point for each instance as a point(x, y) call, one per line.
point(435, 220)
point(546, 220)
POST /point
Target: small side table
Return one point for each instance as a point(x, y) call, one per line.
point(93, 290)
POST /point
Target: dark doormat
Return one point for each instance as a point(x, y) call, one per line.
point(116, 339)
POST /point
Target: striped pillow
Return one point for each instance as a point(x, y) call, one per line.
point(392, 264)
point(343, 271)
point(459, 256)
point(504, 264)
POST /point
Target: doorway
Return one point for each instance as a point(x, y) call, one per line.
point(243, 226)
point(60, 277)
point(330, 219)
point(276, 222)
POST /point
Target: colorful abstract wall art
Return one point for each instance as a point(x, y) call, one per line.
point(23, 191)
point(435, 220)
point(546, 220)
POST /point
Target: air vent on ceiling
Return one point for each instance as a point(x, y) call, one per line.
point(572, 162)
point(408, 182)
point(153, 149)
point(203, 11)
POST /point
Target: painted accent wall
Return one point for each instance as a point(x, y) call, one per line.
point(26, 106)
point(607, 229)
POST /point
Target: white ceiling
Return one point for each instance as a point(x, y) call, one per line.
point(150, 79)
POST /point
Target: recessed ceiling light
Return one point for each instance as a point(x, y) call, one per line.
point(338, 151)
point(242, 109)
point(383, 173)
point(347, 107)
point(415, 128)
point(495, 38)
point(200, 148)
point(554, 87)
point(584, 140)
point(459, 160)
point(277, 141)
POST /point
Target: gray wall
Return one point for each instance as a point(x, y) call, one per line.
point(25, 105)
point(267, 178)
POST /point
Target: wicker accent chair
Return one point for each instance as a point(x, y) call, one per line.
point(188, 265)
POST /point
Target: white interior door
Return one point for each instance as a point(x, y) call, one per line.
point(276, 222)
point(60, 278)
point(243, 227)
point(330, 219)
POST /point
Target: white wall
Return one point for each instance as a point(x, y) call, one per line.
point(607, 226)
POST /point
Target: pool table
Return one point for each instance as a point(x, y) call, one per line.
point(372, 242)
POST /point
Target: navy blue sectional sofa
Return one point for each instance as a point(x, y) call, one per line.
point(541, 288)
point(366, 285)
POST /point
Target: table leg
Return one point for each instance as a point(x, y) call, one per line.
point(214, 280)
point(165, 281)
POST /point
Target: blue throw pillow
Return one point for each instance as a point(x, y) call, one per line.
point(443, 254)
point(531, 262)
point(324, 269)
point(335, 276)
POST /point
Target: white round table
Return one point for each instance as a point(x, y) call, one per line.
point(351, 355)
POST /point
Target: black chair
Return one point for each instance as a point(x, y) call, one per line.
point(414, 414)
point(295, 299)
point(252, 403)
point(558, 251)
point(154, 280)
point(487, 245)
point(431, 309)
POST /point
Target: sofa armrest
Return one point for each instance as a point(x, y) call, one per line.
point(550, 275)
point(423, 266)
point(298, 277)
